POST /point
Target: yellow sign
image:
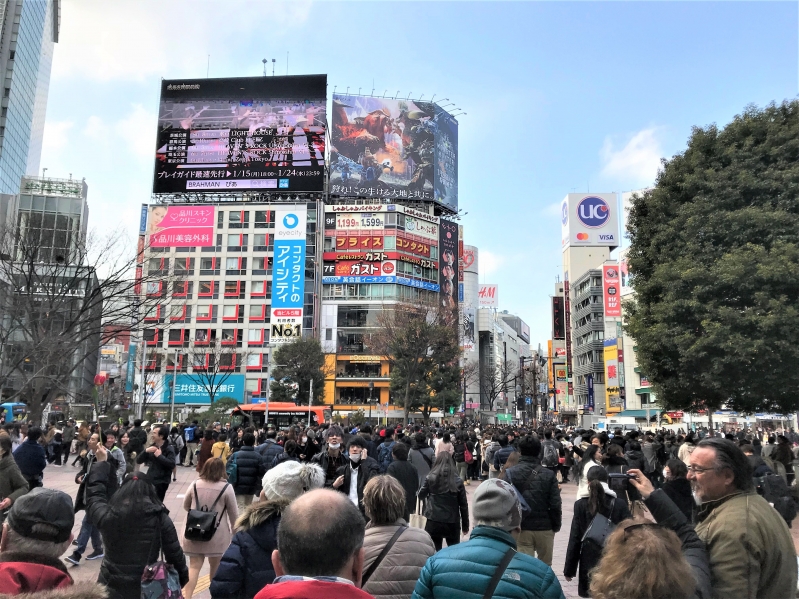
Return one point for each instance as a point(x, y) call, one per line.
point(365, 359)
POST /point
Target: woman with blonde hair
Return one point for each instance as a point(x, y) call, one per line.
point(213, 493)
point(512, 460)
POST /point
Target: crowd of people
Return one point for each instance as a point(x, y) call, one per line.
point(330, 512)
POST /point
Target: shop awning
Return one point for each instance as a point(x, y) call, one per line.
point(637, 413)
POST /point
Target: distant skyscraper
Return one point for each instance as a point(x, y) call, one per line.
point(29, 31)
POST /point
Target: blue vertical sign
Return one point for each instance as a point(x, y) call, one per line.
point(288, 274)
point(590, 381)
point(131, 367)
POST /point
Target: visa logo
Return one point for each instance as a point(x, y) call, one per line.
point(607, 238)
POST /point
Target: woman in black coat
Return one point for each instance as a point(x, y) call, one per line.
point(446, 500)
point(678, 488)
point(600, 499)
point(135, 527)
point(616, 463)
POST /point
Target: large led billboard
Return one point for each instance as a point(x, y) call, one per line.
point(241, 134)
point(393, 149)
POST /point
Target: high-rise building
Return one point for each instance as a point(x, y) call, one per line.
point(30, 29)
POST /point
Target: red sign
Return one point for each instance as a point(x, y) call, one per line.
point(611, 290)
point(181, 226)
point(359, 242)
point(350, 268)
point(560, 352)
point(675, 414)
point(379, 257)
point(419, 248)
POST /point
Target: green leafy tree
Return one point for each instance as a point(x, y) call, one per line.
point(714, 258)
point(218, 410)
point(421, 344)
point(295, 365)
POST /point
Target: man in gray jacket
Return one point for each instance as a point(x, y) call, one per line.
point(421, 456)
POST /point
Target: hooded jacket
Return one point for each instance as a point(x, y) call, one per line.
point(422, 458)
point(539, 487)
point(27, 576)
point(464, 571)
point(128, 549)
point(395, 577)
point(246, 566)
point(12, 484)
point(587, 555)
point(445, 507)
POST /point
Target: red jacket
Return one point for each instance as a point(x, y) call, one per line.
point(311, 589)
point(19, 575)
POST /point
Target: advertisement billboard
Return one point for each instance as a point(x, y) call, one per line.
point(468, 328)
point(558, 323)
point(288, 278)
point(448, 273)
point(589, 379)
point(612, 391)
point(191, 389)
point(488, 296)
point(393, 149)
point(611, 290)
point(590, 220)
point(241, 134)
point(181, 226)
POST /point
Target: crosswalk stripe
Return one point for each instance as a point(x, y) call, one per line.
point(202, 584)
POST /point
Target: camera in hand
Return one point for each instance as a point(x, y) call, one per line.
point(620, 475)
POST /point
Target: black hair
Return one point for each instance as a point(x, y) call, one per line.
point(596, 492)
point(137, 422)
point(729, 455)
point(319, 547)
point(248, 439)
point(174, 431)
point(530, 446)
point(34, 433)
point(366, 429)
point(163, 432)
point(677, 468)
point(272, 434)
point(134, 494)
point(208, 434)
point(447, 438)
point(503, 441)
point(400, 452)
point(5, 445)
point(547, 434)
point(356, 441)
point(222, 437)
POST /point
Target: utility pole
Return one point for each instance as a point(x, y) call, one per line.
point(310, 401)
point(174, 386)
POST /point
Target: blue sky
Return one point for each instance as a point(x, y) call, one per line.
point(559, 96)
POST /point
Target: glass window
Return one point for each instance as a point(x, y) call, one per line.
point(206, 263)
point(389, 242)
point(251, 385)
point(234, 240)
point(258, 287)
point(234, 217)
point(260, 239)
point(256, 311)
point(254, 334)
point(231, 287)
point(259, 263)
point(232, 263)
point(254, 360)
point(230, 311)
point(204, 311)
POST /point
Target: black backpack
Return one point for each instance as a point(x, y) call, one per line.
point(774, 490)
point(202, 522)
point(549, 458)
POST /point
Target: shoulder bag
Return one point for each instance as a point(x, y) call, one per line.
point(367, 575)
point(160, 580)
point(600, 528)
point(232, 470)
point(503, 565)
point(417, 518)
point(202, 522)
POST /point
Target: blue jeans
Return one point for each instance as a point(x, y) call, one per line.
point(87, 529)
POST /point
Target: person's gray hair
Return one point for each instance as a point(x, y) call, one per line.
point(19, 544)
point(729, 455)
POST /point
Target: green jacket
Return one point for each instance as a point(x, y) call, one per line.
point(12, 483)
point(464, 571)
point(751, 551)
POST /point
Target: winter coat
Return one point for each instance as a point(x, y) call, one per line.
point(444, 507)
point(137, 439)
point(246, 566)
point(679, 491)
point(250, 469)
point(501, 456)
point(422, 459)
point(587, 555)
point(283, 457)
point(226, 509)
point(367, 470)
point(408, 477)
point(459, 452)
point(29, 576)
point(750, 548)
point(311, 589)
point(539, 487)
point(759, 466)
point(31, 459)
point(220, 450)
point(12, 484)
point(669, 515)
point(269, 451)
point(395, 577)
point(582, 486)
point(488, 454)
point(323, 459)
point(130, 548)
point(161, 467)
point(635, 459)
point(650, 451)
point(621, 486)
point(464, 571)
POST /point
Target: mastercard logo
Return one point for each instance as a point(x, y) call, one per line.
point(582, 236)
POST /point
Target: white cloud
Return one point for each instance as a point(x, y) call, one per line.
point(490, 262)
point(636, 163)
point(55, 135)
point(107, 40)
point(138, 131)
point(95, 128)
point(553, 209)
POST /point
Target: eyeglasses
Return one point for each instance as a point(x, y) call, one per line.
point(639, 525)
point(698, 470)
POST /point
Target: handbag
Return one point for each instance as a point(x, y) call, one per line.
point(417, 519)
point(160, 580)
point(202, 522)
point(467, 456)
point(599, 529)
point(232, 470)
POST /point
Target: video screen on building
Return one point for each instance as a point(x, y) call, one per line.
point(241, 134)
point(393, 149)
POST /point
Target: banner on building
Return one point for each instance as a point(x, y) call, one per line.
point(130, 369)
point(590, 383)
point(448, 257)
point(611, 290)
point(558, 323)
point(288, 274)
point(613, 400)
point(181, 226)
point(469, 328)
point(488, 296)
point(191, 388)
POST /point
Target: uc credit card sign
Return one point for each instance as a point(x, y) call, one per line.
point(288, 274)
point(590, 219)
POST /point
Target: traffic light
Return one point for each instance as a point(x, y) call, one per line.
point(452, 409)
point(520, 404)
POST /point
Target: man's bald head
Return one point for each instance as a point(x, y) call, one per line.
point(319, 534)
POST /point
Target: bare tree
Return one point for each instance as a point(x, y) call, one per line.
point(210, 365)
point(495, 381)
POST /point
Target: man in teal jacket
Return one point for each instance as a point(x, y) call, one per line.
point(466, 570)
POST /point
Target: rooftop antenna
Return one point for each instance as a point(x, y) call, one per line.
point(347, 93)
point(433, 98)
point(420, 97)
point(264, 61)
point(373, 88)
point(273, 67)
point(397, 94)
point(334, 88)
point(409, 96)
point(384, 93)
point(359, 91)
point(208, 67)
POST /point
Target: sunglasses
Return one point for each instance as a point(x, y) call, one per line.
point(639, 525)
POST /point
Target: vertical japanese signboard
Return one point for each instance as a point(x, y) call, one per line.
point(590, 382)
point(612, 394)
point(558, 324)
point(288, 278)
point(611, 290)
point(448, 257)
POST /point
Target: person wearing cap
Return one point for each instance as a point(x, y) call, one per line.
point(36, 533)
point(331, 458)
point(246, 565)
point(467, 569)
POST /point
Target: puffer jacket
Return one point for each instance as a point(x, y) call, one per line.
point(669, 515)
point(250, 469)
point(539, 487)
point(750, 547)
point(246, 566)
point(128, 549)
point(29, 576)
point(395, 577)
point(444, 507)
point(31, 459)
point(501, 456)
point(269, 451)
point(464, 571)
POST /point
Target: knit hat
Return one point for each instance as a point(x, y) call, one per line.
point(289, 480)
point(43, 506)
point(495, 501)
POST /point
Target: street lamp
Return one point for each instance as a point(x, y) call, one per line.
point(371, 390)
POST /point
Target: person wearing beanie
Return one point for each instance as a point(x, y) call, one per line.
point(246, 565)
point(467, 569)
